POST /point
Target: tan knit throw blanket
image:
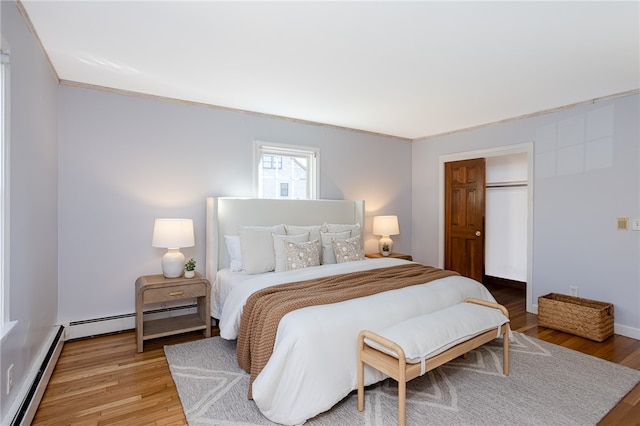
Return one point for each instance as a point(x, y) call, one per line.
point(264, 309)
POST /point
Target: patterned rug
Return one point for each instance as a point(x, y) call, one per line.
point(547, 385)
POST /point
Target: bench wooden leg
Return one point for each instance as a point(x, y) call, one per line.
point(402, 403)
point(360, 388)
point(402, 391)
point(360, 374)
point(505, 352)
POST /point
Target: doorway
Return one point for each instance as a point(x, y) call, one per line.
point(526, 148)
point(506, 190)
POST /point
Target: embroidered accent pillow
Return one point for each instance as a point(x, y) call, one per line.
point(347, 250)
point(302, 255)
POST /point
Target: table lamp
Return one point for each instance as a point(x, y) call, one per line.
point(173, 234)
point(385, 226)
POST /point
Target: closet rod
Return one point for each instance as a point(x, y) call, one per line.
point(506, 184)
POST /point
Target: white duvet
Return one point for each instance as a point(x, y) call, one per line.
point(314, 360)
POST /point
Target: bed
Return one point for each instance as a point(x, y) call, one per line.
point(313, 363)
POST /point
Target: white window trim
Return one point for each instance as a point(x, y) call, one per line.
point(260, 148)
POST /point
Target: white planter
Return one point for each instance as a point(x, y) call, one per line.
point(189, 274)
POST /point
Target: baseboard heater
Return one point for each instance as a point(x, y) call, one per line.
point(29, 406)
point(118, 323)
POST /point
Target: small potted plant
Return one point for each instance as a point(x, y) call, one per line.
point(385, 249)
point(190, 268)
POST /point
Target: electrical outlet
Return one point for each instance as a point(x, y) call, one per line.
point(573, 290)
point(9, 378)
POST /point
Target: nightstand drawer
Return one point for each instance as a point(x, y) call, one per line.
point(184, 291)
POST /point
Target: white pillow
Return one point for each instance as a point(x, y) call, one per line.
point(302, 255)
point(235, 254)
point(328, 255)
point(313, 230)
point(340, 227)
point(347, 250)
point(280, 252)
point(256, 246)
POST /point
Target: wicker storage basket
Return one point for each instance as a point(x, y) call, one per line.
point(575, 315)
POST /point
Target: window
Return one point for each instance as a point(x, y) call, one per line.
point(286, 171)
point(272, 162)
point(284, 189)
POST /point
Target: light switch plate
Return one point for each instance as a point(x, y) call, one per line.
point(623, 224)
point(636, 225)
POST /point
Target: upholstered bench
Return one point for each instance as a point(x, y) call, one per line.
point(412, 347)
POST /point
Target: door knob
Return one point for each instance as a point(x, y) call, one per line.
point(478, 233)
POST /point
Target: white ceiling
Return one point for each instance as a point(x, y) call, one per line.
point(408, 69)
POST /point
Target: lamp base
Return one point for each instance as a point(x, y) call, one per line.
point(385, 245)
point(172, 263)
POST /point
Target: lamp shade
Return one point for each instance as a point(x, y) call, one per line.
point(385, 225)
point(173, 233)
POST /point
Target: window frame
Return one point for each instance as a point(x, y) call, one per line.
point(312, 154)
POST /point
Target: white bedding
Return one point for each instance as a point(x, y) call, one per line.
point(314, 359)
point(221, 287)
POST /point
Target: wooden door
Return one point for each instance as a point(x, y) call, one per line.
point(464, 217)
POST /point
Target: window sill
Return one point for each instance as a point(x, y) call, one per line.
point(6, 329)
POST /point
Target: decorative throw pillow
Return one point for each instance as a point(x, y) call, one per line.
point(347, 250)
point(279, 242)
point(302, 255)
point(256, 246)
point(328, 255)
point(233, 249)
point(313, 230)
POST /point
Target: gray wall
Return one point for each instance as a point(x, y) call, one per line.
point(126, 160)
point(33, 267)
point(586, 174)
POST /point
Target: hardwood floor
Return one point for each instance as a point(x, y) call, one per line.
point(104, 381)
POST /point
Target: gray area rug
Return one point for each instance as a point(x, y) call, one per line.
point(547, 385)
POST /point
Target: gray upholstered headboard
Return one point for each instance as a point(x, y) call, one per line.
point(226, 215)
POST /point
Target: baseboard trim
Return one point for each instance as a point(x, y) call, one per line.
point(29, 405)
point(491, 280)
point(118, 323)
point(626, 331)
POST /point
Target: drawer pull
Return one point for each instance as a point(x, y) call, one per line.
point(176, 293)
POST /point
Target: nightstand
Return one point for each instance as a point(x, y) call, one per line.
point(393, 254)
point(158, 289)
